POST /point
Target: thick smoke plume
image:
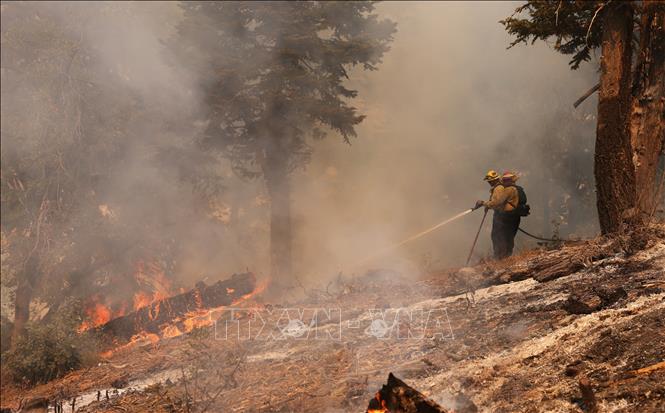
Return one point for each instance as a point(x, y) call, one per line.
point(448, 103)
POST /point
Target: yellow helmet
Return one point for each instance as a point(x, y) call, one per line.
point(492, 175)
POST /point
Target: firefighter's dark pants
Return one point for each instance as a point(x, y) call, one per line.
point(504, 229)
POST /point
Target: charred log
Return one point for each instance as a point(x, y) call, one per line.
point(153, 317)
point(554, 264)
point(396, 396)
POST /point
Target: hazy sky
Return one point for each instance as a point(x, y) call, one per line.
point(446, 95)
point(448, 103)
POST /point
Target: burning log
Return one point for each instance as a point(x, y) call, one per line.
point(396, 396)
point(152, 318)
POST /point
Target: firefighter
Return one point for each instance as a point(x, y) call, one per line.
point(504, 200)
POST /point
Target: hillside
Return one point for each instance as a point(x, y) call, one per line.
point(522, 335)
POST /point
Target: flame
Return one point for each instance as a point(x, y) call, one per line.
point(182, 325)
point(381, 402)
point(96, 315)
point(171, 331)
point(154, 286)
point(153, 277)
point(260, 287)
point(205, 317)
point(141, 299)
point(142, 338)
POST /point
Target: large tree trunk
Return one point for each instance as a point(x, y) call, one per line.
point(613, 165)
point(279, 189)
point(24, 293)
point(648, 111)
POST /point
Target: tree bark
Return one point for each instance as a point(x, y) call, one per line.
point(24, 293)
point(613, 165)
point(279, 189)
point(648, 108)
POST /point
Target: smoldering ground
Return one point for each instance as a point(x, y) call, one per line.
point(447, 103)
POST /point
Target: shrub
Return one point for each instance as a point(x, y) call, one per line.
point(48, 350)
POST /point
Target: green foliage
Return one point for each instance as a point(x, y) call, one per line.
point(274, 73)
point(51, 349)
point(575, 25)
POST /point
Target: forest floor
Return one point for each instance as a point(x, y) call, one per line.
point(511, 336)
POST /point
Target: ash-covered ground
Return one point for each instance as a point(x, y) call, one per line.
point(511, 336)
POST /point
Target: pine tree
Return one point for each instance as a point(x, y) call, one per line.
point(648, 109)
point(578, 28)
point(274, 77)
point(70, 127)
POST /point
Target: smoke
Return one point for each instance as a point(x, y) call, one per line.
point(154, 195)
point(448, 103)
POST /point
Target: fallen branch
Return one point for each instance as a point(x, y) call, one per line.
point(586, 95)
point(651, 368)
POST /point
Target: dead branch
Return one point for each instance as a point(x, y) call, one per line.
point(586, 95)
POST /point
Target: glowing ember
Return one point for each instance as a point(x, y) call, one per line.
point(262, 285)
point(137, 340)
point(379, 402)
point(151, 277)
point(171, 331)
point(97, 315)
point(154, 286)
point(141, 299)
point(206, 317)
point(156, 326)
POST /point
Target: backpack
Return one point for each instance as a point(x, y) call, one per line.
point(522, 209)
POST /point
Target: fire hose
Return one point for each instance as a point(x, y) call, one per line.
point(437, 226)
point(540, 238)
point(475, 240)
